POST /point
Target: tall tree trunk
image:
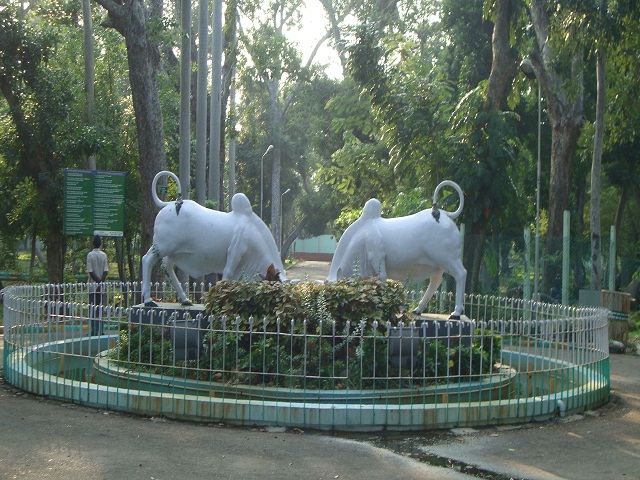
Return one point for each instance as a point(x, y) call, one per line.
point(185, 100)
point(565, 114)
point(215, 162)
point(596, 167)
point(143, 57)
point(286, 244)
point(275, 167)
point(89, 71)
point(201, 104)
point(54, 240)
point(230, 49)
point(120, 259)
point(503, 69)
point(503, 64)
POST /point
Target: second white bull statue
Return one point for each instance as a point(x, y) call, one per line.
point(411, 248)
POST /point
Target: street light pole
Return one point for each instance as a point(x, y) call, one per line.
point(280, 239)
point(530, 72)
point(269, 148)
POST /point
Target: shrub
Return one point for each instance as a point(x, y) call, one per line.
point(346, 300)
point(332, 343)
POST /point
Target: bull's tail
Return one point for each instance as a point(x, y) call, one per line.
point(164, 173)
point(452, 215)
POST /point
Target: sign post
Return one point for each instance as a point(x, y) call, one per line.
point(93, 202)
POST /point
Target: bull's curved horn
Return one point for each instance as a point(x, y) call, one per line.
point(450, 183)
point(164, 173)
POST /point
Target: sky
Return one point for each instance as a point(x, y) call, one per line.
point(315, 26)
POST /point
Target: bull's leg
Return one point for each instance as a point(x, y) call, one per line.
point(434, 282)
point(168, 264)
point(459, 273)
point(376, 256)
point(148, 261)
point(377, 264)
point(238, 247)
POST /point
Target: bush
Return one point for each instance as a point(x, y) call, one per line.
point(634, 321)
point(335, 343)
point(346, 300)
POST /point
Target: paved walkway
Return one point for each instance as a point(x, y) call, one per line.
point(44, 438)
point(600, 445)
point(309, 270)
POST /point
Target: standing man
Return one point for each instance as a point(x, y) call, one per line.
point(97, 269)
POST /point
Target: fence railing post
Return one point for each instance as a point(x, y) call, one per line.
point(566, 246)
point(612, 259)
point(527, 264)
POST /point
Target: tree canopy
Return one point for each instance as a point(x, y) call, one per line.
point(430, 90)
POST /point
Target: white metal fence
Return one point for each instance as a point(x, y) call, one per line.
point(512, 361)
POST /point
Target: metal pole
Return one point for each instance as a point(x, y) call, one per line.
point(527, 264)
point(536, 266)
point(269, 148)
point(530, 72)
point(612, 259)
point(281, 197)
point(566, 247)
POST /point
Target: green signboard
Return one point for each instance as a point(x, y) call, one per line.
point(93, 202)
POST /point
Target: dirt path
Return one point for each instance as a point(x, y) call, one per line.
point(309, 270)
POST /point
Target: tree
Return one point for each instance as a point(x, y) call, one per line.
point(140, 25)
point(596, 166)
point(621, 145)
point(38, 101)
point(89, 70)
point(488, 133)
point(559, 70)
point(412, 95)
point(278, 69)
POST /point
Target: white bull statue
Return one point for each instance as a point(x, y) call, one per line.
point(411, 248)
point(200, 241)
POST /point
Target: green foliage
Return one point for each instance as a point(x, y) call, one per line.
point(634, 321)
point(488, 139)
point(144, 348)
point(349, 300)
point(475, 359)
point(354, 359)
point(327, 339)
point(463, 360)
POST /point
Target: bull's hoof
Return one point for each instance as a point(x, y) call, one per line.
point(454, 316)
point(416, 311)
point(150, 303)
point(187, 303)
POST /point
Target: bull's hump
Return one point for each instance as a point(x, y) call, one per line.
point(372, 209)
point(241, 204)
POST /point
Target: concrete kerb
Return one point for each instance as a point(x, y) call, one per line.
point(42, 437)
point(598, 444)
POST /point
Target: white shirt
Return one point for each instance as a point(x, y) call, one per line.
point(96, 263)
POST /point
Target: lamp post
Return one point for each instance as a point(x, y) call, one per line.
point(269, 148)
point(281, 209)
point(530, 72)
